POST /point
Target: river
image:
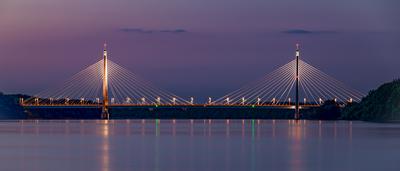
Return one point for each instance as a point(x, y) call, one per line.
point(198, 145)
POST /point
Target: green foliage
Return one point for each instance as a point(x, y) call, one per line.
point(382, 104)
point(330, 110)
point(10, 108)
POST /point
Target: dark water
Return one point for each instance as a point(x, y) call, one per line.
point(198, 145)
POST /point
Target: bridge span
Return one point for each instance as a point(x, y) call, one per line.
point(108, 86)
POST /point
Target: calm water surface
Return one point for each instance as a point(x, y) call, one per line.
point(198, 145)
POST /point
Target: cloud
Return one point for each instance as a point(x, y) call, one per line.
point(305, 32)
point(147, 31)
point(174, 31)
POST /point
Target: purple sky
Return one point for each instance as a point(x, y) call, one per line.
point(200, 48)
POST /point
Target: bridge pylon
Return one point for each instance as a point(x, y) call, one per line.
point(297, 106)
point(105, 113)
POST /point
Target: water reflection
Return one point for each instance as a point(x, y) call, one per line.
point(273, 128)
point(243, 128)
point(128, 128)
point(191, 127)
point(227, 131)
point(157, 127)
point(209, 127)
point(193, 144)
point(319, 129)
point(253, 148)
point(296, 130)
point(334, 130)
point(105, 148)
point(258, 129)
point(143, 127)
point(157, 148)
point(174, 127)
point(350, 131)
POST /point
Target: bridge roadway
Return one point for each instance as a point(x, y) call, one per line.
point(135, 111)
point(285, 106)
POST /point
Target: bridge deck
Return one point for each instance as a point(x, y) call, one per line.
point(163, 106)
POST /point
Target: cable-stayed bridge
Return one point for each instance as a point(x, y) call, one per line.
point(106, 84)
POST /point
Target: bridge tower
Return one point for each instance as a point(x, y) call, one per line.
point(105, 114)
point(297, 109)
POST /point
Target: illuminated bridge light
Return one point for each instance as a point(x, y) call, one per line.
point(158, 100)
point(191, 100)
point(227, 101)
point(128, 100)
point(174, 101)
point(243, 100)
point(21, 101)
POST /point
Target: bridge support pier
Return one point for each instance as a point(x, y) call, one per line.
point(105, 115)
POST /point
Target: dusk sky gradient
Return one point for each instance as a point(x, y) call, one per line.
point(197, 48)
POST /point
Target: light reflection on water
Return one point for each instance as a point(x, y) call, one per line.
point(198, 145)
point(105, 155)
